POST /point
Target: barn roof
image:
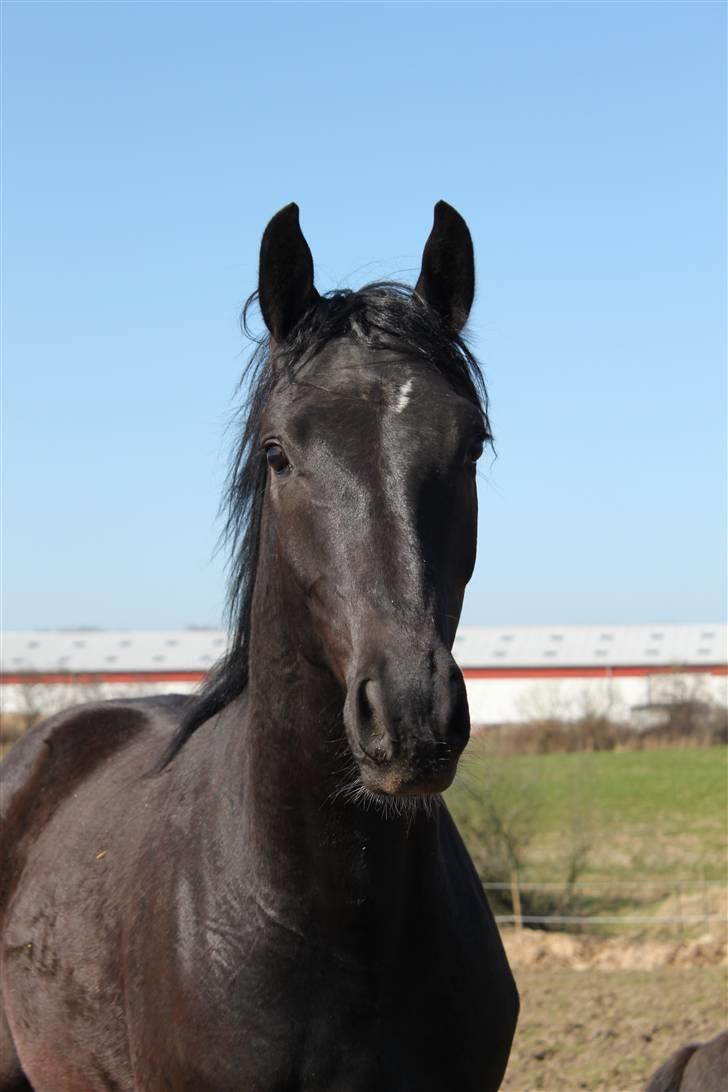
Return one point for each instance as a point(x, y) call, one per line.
point(196, 650)
point(590, 646)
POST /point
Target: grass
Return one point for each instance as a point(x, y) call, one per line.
point(625, 787)
point(646, 816)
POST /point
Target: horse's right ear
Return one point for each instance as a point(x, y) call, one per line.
point(285, 280)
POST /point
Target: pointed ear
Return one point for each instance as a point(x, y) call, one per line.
point(447, 278)
point(285, 279)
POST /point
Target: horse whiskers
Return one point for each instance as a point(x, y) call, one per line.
point(398, 807)
point(353, 792)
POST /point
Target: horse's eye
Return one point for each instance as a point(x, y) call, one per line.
point(475, 451)
point(276, 457)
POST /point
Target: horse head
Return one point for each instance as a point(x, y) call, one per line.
point(370, 433)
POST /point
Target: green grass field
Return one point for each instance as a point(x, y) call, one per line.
point(653, 815)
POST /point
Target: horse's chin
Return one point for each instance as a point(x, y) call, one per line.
point(400, 781)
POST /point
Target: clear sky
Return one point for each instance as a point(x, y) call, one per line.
point(147, 144)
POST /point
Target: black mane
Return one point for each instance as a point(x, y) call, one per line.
point(381, 315)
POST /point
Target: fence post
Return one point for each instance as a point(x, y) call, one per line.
point(704, 886)
point(679, 914)
point(516, 899)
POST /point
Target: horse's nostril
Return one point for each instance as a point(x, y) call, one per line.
point(372, 732)
point(363, 704)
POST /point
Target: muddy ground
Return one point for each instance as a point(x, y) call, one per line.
point(602, 1015)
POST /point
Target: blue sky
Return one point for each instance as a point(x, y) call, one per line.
point(147, 144)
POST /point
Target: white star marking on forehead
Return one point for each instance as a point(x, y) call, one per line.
point(403, 397)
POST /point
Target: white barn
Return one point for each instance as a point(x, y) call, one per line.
point(512, 673)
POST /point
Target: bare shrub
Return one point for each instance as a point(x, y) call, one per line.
point(688, 723)
point(686, 712)
point(593, 732)
point(497, 817)
point(498, 809)
point(682, 709)
point(696, 723)
point(12, 726)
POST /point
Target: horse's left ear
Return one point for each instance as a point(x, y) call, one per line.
point(447, 278)
point(285, 281)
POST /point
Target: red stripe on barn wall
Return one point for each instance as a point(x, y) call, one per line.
point(601, 672)
point(592, 672)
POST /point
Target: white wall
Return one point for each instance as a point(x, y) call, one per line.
point(48, 698)
point(504, 701)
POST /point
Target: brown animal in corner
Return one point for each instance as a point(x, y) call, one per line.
point(698, 1067)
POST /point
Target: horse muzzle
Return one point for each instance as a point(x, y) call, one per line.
point(407, 723)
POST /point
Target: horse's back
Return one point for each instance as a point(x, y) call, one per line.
point(57, 757)
point(707, 1070)
point(697, 1067)
point(54, 757)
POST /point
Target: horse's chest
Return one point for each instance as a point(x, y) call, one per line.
point(304, 1021)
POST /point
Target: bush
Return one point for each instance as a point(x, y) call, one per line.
point(499, 816)
point(550, 735)
point(682, 723)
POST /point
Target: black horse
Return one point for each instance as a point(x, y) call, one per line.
point(697, 1067)
point(259, 888)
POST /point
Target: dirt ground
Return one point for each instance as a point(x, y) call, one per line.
point(602, 1015)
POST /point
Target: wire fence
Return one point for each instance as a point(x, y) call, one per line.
point(572, 914)
point(668, 887)
point(609, 919)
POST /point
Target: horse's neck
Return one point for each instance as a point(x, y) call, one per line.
point(311, 843)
